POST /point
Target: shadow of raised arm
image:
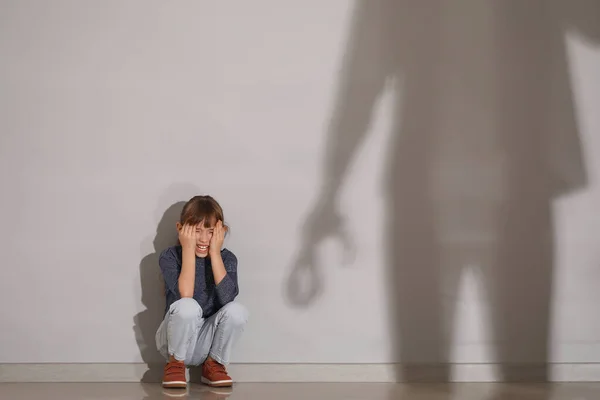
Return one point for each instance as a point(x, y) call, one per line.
point(366, 67)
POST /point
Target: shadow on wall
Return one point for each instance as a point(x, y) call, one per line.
point(146, 322)
point(485, 137)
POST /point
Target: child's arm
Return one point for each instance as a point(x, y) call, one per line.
point(168, 262)
point(187, 238)
point(216, 242)
point(187, 277)
point(227, 288)
point(218, 267)
point(173, 268)
point(224, 267)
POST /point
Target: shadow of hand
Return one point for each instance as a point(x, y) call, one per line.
point(305, 281)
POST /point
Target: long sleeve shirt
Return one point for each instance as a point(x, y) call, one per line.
point(210, 297)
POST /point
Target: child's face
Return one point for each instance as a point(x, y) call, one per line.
point(203, 237)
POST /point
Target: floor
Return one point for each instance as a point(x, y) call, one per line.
point(293, 391)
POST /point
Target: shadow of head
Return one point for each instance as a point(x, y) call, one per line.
point(166, 232)
point(153, 299)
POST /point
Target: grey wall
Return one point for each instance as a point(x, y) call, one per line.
point(458, 142)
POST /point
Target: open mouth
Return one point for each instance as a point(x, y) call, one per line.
point(200, 248)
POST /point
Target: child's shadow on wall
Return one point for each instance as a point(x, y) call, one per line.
point(146, 322)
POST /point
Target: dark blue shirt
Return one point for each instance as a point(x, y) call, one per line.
point(211, 297)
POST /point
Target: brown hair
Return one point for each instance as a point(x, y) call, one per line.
point(201, 209)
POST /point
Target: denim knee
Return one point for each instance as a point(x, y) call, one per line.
point(185, 309)
point(235, 314)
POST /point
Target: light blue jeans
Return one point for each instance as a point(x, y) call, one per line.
point(187, 336)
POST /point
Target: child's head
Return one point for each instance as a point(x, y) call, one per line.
point(203, 212)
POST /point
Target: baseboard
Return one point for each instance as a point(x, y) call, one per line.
point(305, 373)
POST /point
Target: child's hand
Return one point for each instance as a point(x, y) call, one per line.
point(188, 237)
point(218, 237)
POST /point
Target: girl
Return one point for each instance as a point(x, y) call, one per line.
point(202, 322)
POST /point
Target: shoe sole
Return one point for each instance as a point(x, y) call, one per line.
point(175, 385)
point(175, 393)
point(224, 383)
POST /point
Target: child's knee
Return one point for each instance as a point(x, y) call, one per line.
point(235, 314)
point(185, 309)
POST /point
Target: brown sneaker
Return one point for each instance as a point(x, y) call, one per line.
point(214, 374)
point(174, 376)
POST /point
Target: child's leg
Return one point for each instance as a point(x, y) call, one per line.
point(219, 333)
point(178, 334)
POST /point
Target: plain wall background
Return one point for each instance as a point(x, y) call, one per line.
point(112, 113)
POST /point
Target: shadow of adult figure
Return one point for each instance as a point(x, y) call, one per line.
point(484, 139)
point(153, 298)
